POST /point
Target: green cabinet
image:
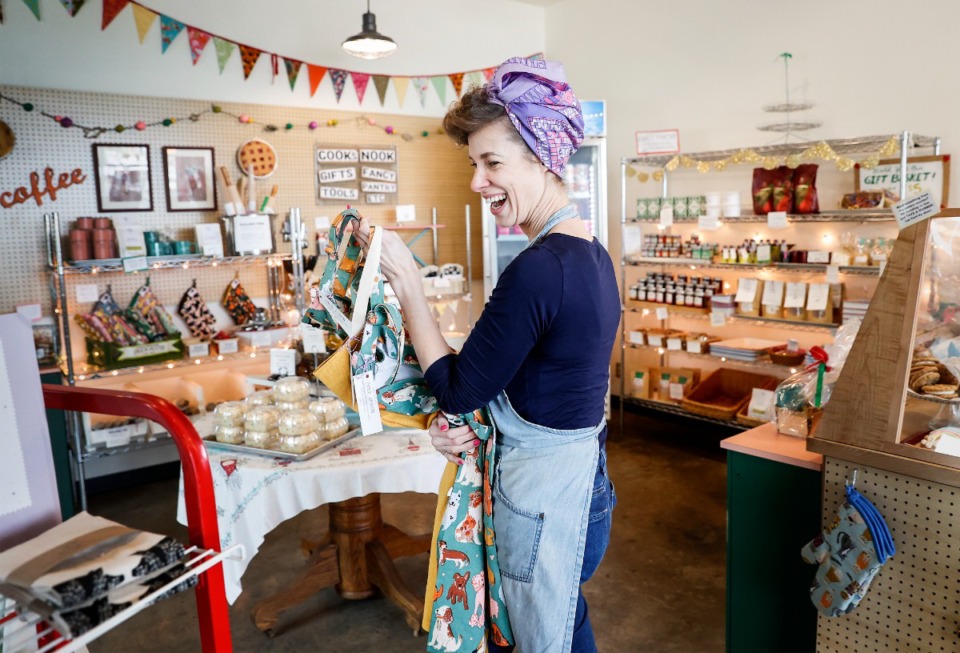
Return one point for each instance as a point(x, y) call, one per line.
point(773, 509)
point(60, 446)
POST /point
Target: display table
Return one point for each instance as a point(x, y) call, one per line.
point(256, 493)
point(773, 509)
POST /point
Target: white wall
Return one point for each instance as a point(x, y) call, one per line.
point(434, 36)
point(707, 68)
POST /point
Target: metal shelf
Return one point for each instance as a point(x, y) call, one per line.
point(704, 314)
point(166, 263)
point(141, 369)
point(863, 270)
point(720, 360)
point(674, 409)
point(823, 216)
point(156, 443)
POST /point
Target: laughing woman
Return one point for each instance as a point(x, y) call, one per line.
point(538, 356)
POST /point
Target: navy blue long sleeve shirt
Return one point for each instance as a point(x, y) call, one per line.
point(545, 336)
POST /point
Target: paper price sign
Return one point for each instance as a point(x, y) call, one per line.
point(662, 313)
point(717, 319)
point(777, 220)
point(833, 274)
point(916, 209)
point(313, 339)
point(367, 407)
point(674, 344)
point(283, 362)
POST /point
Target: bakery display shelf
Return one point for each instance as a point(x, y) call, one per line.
point(675, 409)
point(86, 372)
point(97, 266)
point(693, 264)
point(25, 630)
point(765, 365)
point(839, 215)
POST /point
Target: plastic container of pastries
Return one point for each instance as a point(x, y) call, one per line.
point(261, 439)
point(262, 419)
point(261, 398)
point(334, 429)
point(328, 409)
point(302, 404)
point(300, 443)
point(229, 434)
point(230, 413)
point(298, 422)
point(291, 388)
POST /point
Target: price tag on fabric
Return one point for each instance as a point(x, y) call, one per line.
point(916, 209)
point(365, 396)
point(662, 313)
point(87, 293)
point(283, 362)
point(676, 391)
point(674, 344)
point(717, 319)
point(342, 321)
point(708, 222)
point(313, 339)
point(833, 274)
point(777, 220)
point(666, 215)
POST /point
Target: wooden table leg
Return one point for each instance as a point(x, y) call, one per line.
point(357, 556)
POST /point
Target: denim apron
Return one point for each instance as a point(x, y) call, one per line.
point(542, 486)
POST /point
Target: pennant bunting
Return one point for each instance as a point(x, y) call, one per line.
point(360, 81)
point(339, 78)
point(144, 19)
point(381, 82)
point(224, 50)
point(488, 72)
point(293, 69)
point(316, 75)
point(72, 6)
point(457, 80)
point(169, 30)
point(440, 84)
point(274, 68)
point(34, 6)
point(249, 57)
point(198, 41)
point(474, 78)
point(421, 85)
point(110, 10)
point(400, 85)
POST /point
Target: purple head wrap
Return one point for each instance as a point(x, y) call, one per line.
point(542, 107)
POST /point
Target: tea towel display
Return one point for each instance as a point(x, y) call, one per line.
point(850, 552)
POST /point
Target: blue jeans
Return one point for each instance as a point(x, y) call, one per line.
point(598, 537)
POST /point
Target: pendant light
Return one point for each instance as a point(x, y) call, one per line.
point(369, 44)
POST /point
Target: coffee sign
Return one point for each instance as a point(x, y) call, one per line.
point(39, 188)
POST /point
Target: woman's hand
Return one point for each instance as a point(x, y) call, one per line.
point(396, 259)
point(451, 442)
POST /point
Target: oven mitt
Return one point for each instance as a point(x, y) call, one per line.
point(238, 303)
point(150, 314)
point(849, 552)
point(196, 314)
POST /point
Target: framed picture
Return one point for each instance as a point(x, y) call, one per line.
point(45, 343)
point(123, 177)
point(188, 173)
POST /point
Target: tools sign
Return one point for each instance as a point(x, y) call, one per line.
point(357, 174)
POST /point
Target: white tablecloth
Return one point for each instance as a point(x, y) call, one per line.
point(256, 493)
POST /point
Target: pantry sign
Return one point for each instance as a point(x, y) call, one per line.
point(924, 174)
point(356, 175)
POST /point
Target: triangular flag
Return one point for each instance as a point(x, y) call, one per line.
point(339, 78)
point(421, 85)
point(360, 81)
point(170, 28)
point(34, 6)
point(440, 83)
point(110, 10)
point(488, 73)
point(249, 57)
point(457, 80)
point(224, 50)
point(400, 85)
point(381, 82)
point(144, 19)
point(293, 69)
point(474, 78)
point(536, 57)
point(316, 75)
point(198, 41)
point(72, 6)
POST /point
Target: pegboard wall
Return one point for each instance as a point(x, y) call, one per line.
point(913, 604)
point(433, 172)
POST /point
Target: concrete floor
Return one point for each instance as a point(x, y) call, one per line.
point(660, 587)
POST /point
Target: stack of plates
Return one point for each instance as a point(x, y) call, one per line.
point(852, 309)
point(748, 350)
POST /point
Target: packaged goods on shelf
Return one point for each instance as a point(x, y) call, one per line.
point(637, 337)
point(675, 383)
point(642, 381)
point(795, 301)
point(748, 297)
point(722, 394)
point(855, 309)
point(771, 304)
point(658, 337)
point(697, 343)
point(819, 303)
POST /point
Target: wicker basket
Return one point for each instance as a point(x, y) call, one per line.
point(722, 394)
point(745, 420)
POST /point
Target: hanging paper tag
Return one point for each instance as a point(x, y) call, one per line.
point(666, 215)
point(313, 339)
point(283, 362)
point(914, 210)
point(833, 274)
point(793, 346)
point(342, 321)
point(817, 299)
point(717, 319)
point(134, 264)
point(87, 293)
point(662, 313)
point(773, 294)
point(674, 344)
point(777, 220)
point(365, 396)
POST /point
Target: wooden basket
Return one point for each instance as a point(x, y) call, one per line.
point(745, 420)
point(722, 394)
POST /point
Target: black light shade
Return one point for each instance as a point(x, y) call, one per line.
point(369, 44)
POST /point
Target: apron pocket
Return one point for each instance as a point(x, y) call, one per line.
point(518, 537)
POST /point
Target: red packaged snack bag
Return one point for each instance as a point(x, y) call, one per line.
point(805, 189)
point(782, 189)
point(762, 191)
